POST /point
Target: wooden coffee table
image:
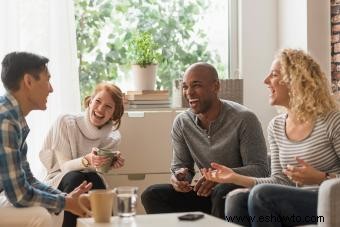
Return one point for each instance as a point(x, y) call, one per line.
point(157, 220)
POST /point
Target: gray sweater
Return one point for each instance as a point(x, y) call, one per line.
point(235, 139)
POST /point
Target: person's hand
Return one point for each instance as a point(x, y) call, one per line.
point(96, 160)
point(71, 199)
point(119, 162)
point(179, 182)
point(219, 173)
point(82, 188)
point(204, 187)
point(304, 174)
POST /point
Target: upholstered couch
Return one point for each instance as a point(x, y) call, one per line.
point(329, 203)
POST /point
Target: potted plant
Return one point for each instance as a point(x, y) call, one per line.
point(143, 53)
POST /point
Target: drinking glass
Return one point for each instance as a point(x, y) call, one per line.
point(126, 200)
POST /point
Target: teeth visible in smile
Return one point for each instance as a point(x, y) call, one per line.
point(272, 91)
point(193, 100)
point(98, 115)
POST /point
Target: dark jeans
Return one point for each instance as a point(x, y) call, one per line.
point(236, 207)
point(162, 198)
point(72, 180)
point(272, 205)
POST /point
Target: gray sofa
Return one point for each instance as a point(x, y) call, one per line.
point(329, 203)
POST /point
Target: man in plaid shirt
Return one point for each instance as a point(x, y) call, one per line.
point(24, 201)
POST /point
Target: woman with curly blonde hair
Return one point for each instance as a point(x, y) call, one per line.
point(304, 144)
point(309, 90)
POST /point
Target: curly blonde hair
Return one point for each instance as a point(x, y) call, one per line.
point(309, 91)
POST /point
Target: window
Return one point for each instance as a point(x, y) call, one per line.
point(187, 31)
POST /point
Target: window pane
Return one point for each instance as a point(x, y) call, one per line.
point(187, 31)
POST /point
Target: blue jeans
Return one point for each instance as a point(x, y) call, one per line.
point(236, 207)
point(273, 205)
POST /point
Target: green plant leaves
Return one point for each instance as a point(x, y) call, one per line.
point(143, 50)
point(170, 23)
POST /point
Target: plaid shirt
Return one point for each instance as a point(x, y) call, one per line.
point(16, 179)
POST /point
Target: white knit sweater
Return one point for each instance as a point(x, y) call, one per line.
point(70, 138)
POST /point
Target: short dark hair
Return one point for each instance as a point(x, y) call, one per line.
point(16, 64)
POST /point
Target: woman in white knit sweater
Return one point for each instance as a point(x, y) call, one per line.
point(304, 144)
point(69, 150)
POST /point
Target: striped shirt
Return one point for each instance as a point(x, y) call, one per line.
point(16, 179)
point(321, 149)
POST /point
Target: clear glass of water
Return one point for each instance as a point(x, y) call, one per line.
point(126, 200)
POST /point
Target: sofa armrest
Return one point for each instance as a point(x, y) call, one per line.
point(329, 203)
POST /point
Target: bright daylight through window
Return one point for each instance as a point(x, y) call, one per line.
point(185, 31)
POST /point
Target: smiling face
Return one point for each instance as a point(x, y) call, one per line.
point(101, 108)
point(39, 90)
point(279, 92)
point(200, 89)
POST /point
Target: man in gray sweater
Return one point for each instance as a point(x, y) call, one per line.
point(212, 130)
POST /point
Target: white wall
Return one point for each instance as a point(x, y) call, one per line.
point(292, 21)
point(258, 43)
point(319, 33)
point(305, 24)
point(267, 26)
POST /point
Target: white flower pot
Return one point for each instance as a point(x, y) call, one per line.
point(144, 78)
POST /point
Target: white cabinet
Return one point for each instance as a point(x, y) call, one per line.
point(146, 141)
point(146, 146)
